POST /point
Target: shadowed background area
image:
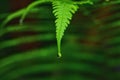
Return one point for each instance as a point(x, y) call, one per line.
point(90, 47)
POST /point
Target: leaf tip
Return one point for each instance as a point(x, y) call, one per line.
point(59, 55)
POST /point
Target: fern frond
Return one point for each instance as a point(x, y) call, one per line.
point(31, 6)
point(12, 16)
point(15, 15)
point(63, 12)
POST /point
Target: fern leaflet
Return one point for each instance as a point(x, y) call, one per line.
point(63, 11)
point(31, 6)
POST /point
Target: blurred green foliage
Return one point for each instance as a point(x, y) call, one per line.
point(91, 47)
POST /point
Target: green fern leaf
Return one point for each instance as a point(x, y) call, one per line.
point(63, 11)
point(12, 16)
point(16, 14)
point(31, 6)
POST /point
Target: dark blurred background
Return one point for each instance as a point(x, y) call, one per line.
point(90, 47)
